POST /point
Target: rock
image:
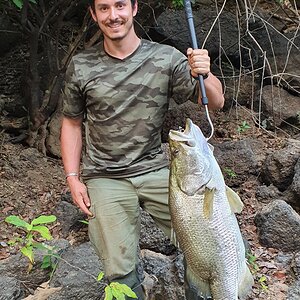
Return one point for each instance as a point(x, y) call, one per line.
point(278, 226)
point(294, 291)
point(282, 56)
point(168, 272)
point(295, 187)
point(296, 265)
point(77, 273)
point(10, 288)
point(16, 266)
point(280, 105)
point(267, 194)
point(153, 238)
point(9, 34)
point(279, 166)
point(241, 158)
point(68, 215)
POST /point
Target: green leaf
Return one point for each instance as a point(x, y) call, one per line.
point(12, 242)
point(18, 3)
point(44, 231)
point(42, 246)
point(116, 292)
point(15, 220)
point(29, 239)
point(84, 222)
point(46, 262)
point(125, 289)
point(43, 220)
point(28, 252)
point(33, 1)
point(100, 276)
point(262, 279)
point(108, 293)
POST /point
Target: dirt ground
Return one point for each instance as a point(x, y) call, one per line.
point(32, 185)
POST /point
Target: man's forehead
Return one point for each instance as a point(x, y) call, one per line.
point(110, 2)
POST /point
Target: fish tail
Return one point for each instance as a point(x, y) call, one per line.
point(246, 283)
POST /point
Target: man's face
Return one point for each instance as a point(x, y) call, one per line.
point(114, 17)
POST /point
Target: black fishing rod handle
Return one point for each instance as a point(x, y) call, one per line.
point(190, 20)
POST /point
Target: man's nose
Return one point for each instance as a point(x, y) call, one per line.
point(113, 14)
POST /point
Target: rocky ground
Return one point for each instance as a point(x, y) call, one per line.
point(33, 185)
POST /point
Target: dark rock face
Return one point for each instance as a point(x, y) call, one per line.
point(10, 288)
point(279, 226)
point(279, 166)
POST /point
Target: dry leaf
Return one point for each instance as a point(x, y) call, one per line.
point(43, 292)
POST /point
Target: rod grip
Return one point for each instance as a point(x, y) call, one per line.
point(190, 21)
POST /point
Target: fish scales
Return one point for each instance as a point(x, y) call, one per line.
point(203, 220)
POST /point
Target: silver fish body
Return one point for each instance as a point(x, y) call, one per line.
point(202, 209)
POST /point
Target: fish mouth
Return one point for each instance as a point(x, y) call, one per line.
point(182, 135)
point(189, 135)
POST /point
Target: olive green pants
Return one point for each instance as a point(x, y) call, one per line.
point(115, 229)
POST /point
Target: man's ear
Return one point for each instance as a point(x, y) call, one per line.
point(93, 14)
point(135, 9)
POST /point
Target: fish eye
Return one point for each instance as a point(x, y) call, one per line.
point(175, 151)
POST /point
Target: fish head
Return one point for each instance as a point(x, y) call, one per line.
point(190, 158)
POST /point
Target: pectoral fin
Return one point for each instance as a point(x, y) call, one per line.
point(234, 200)
point(208, 203)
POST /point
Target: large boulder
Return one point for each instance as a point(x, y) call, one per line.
point(278, 226)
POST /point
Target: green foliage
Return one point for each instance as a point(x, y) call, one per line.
point(230, 173)
point(84, 222)
point(262, 281)
point(19, 3)
point(252, 263)
point(177, 4)
point(31, 240)
point(116, 290)
point(254, 268)
point(243, 127)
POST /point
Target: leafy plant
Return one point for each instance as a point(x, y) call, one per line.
point(243, 127)
point(252, 262)
point(19, 3)
point(262, 280)
point(116, 290)
point(230, 173)
point(177, 4)
point(254, 268)
point(31, 241)
point(84, 222)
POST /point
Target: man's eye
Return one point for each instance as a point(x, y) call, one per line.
point(120, 6)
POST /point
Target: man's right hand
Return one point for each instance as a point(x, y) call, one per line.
point(79, 194)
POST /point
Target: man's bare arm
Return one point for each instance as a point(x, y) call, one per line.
point(71, 146)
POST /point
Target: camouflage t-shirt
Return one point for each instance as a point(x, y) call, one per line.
point(124, 103)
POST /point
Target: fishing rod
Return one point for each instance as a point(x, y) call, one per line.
point(190, 21)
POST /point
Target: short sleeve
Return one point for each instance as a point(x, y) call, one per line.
point(184, 86)
point(73, 97)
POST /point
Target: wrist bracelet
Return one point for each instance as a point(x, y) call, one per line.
point(71, 174)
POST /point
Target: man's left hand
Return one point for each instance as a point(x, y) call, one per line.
point(199, 61)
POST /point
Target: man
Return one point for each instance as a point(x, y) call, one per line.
point(120, 89)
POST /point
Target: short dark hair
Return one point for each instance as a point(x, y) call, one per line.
point(92, 3)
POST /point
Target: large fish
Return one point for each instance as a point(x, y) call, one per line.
point(203, 217)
